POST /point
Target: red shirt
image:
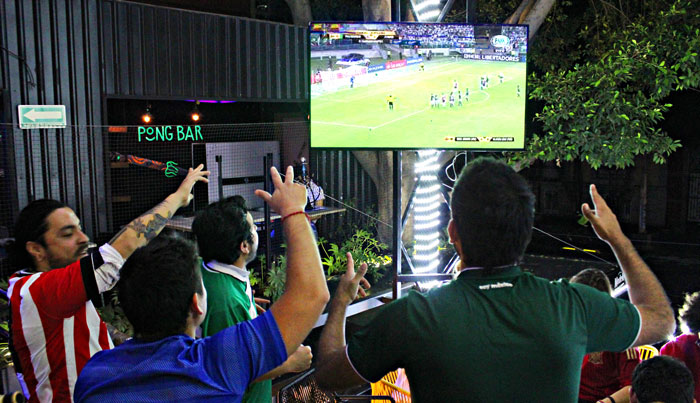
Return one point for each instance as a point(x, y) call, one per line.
point(55, 327)
point(608, 374)
point(685, 348)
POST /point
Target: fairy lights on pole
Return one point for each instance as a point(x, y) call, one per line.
point(426, 213)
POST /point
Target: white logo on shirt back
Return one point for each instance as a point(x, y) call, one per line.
point(495, 285)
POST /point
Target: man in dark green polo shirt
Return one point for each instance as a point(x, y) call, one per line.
point(496, 333)
point(228, 240)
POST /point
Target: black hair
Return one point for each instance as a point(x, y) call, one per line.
point(157, 284)
point(493, 208)
point(221, 228)
point(595, 278)
point(663, 379)
point(690, 312)
point(31, 225)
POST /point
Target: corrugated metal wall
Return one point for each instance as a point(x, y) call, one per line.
point(72, 52)
point(160, 52)
point(50, 55)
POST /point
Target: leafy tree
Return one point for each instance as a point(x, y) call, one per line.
point(604, 96)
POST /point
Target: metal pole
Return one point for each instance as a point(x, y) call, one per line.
point(445, 10)
point(267, 164)
point(397, 224)
point(471, 11)
point(397, 10)
point(220, 179)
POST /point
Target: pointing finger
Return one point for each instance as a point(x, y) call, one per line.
point(263, 195)
point(598, 200)
point(276, 179)
point(362, 271)
point(351, 265)
point(290, 175)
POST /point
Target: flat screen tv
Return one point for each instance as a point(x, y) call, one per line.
point(417, 85)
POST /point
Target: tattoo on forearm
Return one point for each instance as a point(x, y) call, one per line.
point(118, 234)
point(149, 229)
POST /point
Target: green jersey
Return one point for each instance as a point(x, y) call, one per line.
point(230, 301)
point(504, 337)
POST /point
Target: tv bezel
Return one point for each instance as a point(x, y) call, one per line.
point(308, 78)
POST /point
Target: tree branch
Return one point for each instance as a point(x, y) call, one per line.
point(515, 17)
point(526, 11)
point(536, 15)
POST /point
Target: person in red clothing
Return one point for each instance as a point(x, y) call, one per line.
point(55, 328)
point(605, 376)
point(686, 347)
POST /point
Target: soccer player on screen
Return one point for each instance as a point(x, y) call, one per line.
point(455, 85)
point(466, 94)
point(452, 99)
point(352, 82)
point(500, 78)
point(444, 100)
point(459, 97)
point(517, 90)
point(390, 102)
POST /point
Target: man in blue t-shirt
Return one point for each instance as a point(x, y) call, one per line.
point(163, 297)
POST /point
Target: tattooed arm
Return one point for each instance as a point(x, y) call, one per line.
point(146, 227)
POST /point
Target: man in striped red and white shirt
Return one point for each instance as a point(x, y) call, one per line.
point(55, 328)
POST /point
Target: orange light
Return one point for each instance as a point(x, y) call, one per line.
point(117, 129)
point(194, 114)
point(146, 118)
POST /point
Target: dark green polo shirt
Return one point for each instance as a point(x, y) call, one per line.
point(509, 337)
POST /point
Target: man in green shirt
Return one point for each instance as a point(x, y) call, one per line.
point(228, 240)
point(496, 333)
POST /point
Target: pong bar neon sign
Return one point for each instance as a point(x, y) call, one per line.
point(166, 133)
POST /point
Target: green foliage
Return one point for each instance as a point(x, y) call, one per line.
point(276, 277)
point(5, 356)
point(363, 247)
point(255, 279)
point(607, 110)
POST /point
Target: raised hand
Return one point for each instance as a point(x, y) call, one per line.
point(184, 192)
point(604, 221)
point(288, 197)
point(349, 287)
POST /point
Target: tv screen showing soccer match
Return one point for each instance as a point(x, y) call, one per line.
point(418, 85)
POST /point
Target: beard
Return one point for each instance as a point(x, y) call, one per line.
point(58, 262)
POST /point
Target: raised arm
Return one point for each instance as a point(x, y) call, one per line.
point(334, 370)
point(644, 289)
point(146, 227)
point(306, 293)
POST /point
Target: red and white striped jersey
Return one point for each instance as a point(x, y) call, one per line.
point(55, 327)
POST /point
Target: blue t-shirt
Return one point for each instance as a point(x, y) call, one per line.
point(179, 368)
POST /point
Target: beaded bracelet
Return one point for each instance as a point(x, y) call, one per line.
point(295, 213)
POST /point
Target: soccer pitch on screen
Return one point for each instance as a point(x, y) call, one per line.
point(445, 101)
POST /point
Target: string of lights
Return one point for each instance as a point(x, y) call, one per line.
point(426, 212)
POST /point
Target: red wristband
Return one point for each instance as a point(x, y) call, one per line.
point(295, 213)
